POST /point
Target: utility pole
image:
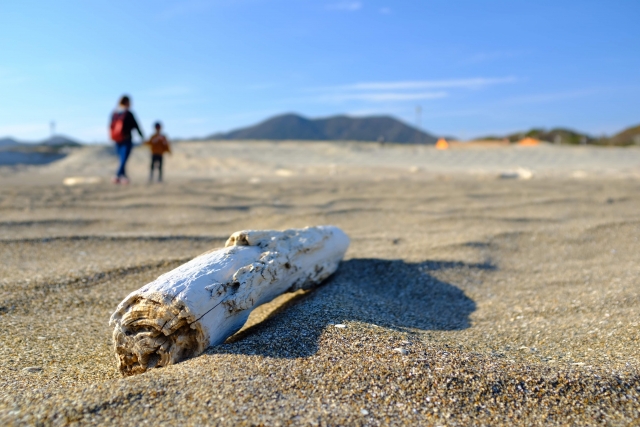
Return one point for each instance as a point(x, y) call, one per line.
point(419, 123)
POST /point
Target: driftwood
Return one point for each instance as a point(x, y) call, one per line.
point(205, 301)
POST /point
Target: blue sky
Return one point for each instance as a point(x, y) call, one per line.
point(201, 66)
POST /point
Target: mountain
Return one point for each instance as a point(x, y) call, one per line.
point(9, 142)
point(55, 141)
point(337, 128)
point(372, 129)
point(626, 137)
point(286, 126)
point(59, 141)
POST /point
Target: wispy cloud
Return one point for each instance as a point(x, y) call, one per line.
point(382, 96)
point(552, 96)
point(403, 90)
point(472, 83)
point(385, 10)
point(379, 110)
point(349, 6)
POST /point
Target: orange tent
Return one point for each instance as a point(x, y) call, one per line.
point(529, 141)
point(442, 144)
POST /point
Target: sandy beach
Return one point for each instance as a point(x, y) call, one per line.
point(473, 293)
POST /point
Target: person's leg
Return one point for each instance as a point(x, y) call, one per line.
point(121, 150)
point(124, 156)
point(153, 163)
point(116, 178)
point(160, 168)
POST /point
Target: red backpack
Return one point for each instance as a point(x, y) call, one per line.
point(117, 125)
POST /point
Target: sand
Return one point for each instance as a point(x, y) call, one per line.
point(465, 298)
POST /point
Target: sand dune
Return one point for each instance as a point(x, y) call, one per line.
point(261, 159)
point(515, 302)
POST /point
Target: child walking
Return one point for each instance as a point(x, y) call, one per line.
point(158, 145)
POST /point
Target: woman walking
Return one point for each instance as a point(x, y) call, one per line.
point(122, 124)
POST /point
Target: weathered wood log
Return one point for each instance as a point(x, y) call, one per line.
point(205, 301)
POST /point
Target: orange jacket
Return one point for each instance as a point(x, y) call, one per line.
point(158, 144)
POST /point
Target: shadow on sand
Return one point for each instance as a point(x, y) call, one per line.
point(393, 294)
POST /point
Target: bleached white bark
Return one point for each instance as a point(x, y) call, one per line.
point(203, 302)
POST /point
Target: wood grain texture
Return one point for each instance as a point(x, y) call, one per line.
point(205, 301)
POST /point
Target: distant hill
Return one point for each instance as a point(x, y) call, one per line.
point(8, 142)
point(557, 135)
point(55, 141)
point(60, 141)
point(629, 136)
point(337, 128)
point(626, 137)
point(13, 152)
